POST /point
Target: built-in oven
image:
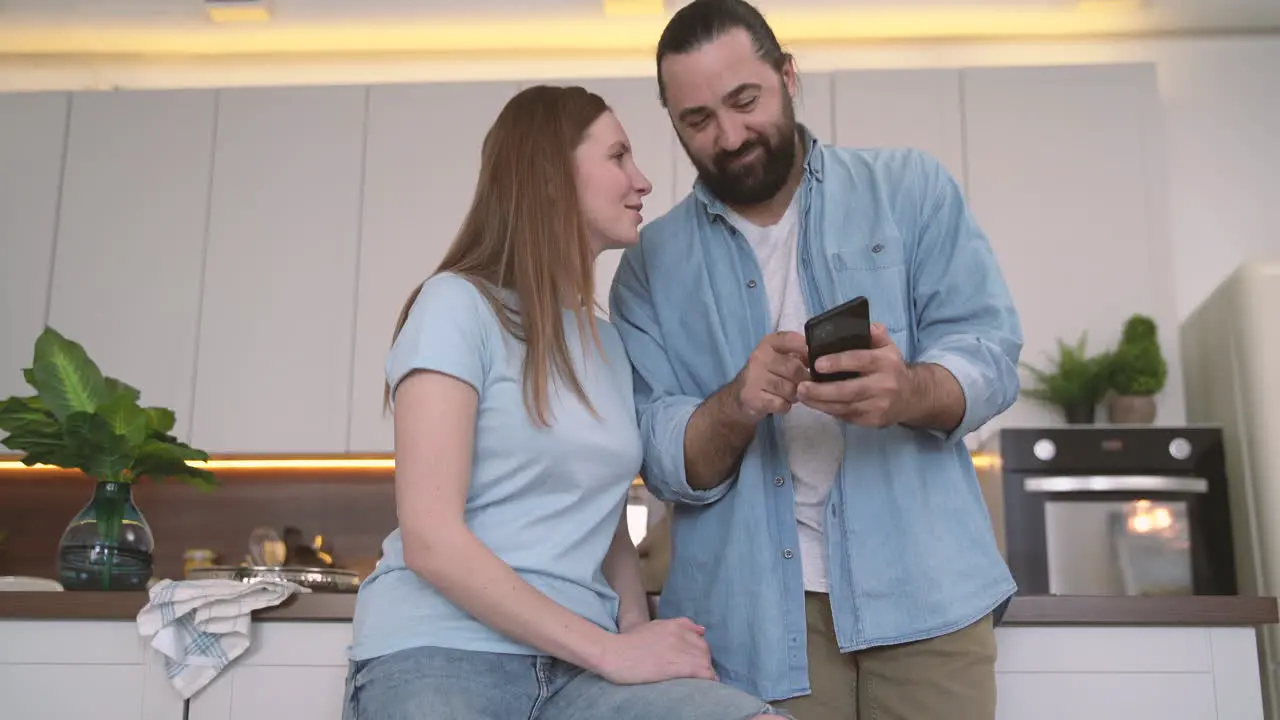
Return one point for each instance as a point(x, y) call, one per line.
point(1116, 510)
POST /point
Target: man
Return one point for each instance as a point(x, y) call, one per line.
point(831, 537)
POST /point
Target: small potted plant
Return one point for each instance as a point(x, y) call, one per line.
point(1136, 372)
point(1076, 383)
point(80, 419)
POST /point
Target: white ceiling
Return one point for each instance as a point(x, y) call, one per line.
point(306, 11)
point(68, 26)
point(182, 11)
point(167, 12)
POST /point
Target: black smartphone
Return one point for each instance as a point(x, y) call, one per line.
point(844, 327)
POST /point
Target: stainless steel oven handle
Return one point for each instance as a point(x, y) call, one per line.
point(1115, 483)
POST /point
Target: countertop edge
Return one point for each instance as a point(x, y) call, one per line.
point(1023, 610)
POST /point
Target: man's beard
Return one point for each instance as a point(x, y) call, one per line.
point(763, 177)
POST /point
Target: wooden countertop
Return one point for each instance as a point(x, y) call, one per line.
point(1024, 610)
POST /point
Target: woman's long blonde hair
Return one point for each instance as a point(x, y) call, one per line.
point(525, 231)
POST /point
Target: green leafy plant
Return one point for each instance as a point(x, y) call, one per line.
point(1076, 380)
point(80, 418)
point(1136, 366)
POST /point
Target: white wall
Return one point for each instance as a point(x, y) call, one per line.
point(1222, 108)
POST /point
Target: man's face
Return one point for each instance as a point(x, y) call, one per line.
point(734, 116)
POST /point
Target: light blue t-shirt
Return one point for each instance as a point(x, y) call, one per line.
point(545, 500)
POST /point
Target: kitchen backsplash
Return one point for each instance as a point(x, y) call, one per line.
point(352, 509)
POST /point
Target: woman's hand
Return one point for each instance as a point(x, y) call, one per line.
point(656, 651)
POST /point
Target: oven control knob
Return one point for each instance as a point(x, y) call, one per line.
point(1180, 448)
point(1044, 449)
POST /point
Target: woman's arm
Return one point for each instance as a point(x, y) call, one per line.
point(622, 570)
point(435, 418)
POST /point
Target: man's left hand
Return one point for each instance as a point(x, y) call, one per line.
point(880, 397)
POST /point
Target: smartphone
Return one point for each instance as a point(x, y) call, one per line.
point(844, 327)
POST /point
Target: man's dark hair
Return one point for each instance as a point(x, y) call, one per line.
point(703, 21)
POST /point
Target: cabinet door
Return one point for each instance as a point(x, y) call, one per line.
point(32, 134)
point(901, 108)
point(131, 231)
point(273, 367)
point(82, 669)
point(292, 670)
point(814, 109)
point(1064, 176)
point(1101, 696)
point(1105, 673)
point(421, 166)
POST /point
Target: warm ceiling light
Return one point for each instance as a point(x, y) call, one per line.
point(981, 460)
point(1110, 4)
point(615, 8)
point(985, 460)
point(259, 463)
point(625, 28)
point(304, 463)
point(237, 11)
point(335, 462)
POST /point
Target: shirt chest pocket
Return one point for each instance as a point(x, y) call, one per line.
point(878, 271)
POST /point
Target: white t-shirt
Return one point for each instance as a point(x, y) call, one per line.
point(814, 440)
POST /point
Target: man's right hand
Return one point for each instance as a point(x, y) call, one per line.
point(767, 385)
point(721, 429)
point(655, 651)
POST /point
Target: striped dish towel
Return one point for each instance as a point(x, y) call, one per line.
point(200, 626)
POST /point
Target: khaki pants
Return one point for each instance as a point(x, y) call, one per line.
point(950, 677)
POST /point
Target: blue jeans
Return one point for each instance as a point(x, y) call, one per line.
point(432, 683)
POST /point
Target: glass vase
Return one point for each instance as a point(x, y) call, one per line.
point(108, 545)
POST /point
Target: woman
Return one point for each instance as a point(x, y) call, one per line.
point(511, 588)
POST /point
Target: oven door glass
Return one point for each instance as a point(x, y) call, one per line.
point(1125, 546)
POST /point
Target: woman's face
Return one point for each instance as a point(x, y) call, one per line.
point(610, 186)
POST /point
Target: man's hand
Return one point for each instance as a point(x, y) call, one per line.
point(768, 383)
point(881, 397)
point(722, 427)
point(631, 621)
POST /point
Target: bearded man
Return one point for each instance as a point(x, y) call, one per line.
point(830, 536)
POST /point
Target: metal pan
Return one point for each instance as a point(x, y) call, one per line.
point(317, 579)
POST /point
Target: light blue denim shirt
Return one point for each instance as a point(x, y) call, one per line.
point(911, 552)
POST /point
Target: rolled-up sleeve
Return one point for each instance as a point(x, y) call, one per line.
point(966, 319)
point(662, 410)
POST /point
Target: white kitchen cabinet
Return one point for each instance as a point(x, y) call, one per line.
point(131, 237)
point(901, 108)
point(421, 165)
point(320, 208)
point(814, 108)
point(32, 133)
point(1065, 175)
point(273, 368)
point(82, 669)
point(1134, 673)
point(298, 669)
point(292, 670)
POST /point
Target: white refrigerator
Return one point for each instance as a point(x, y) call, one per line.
point(1231, 364)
